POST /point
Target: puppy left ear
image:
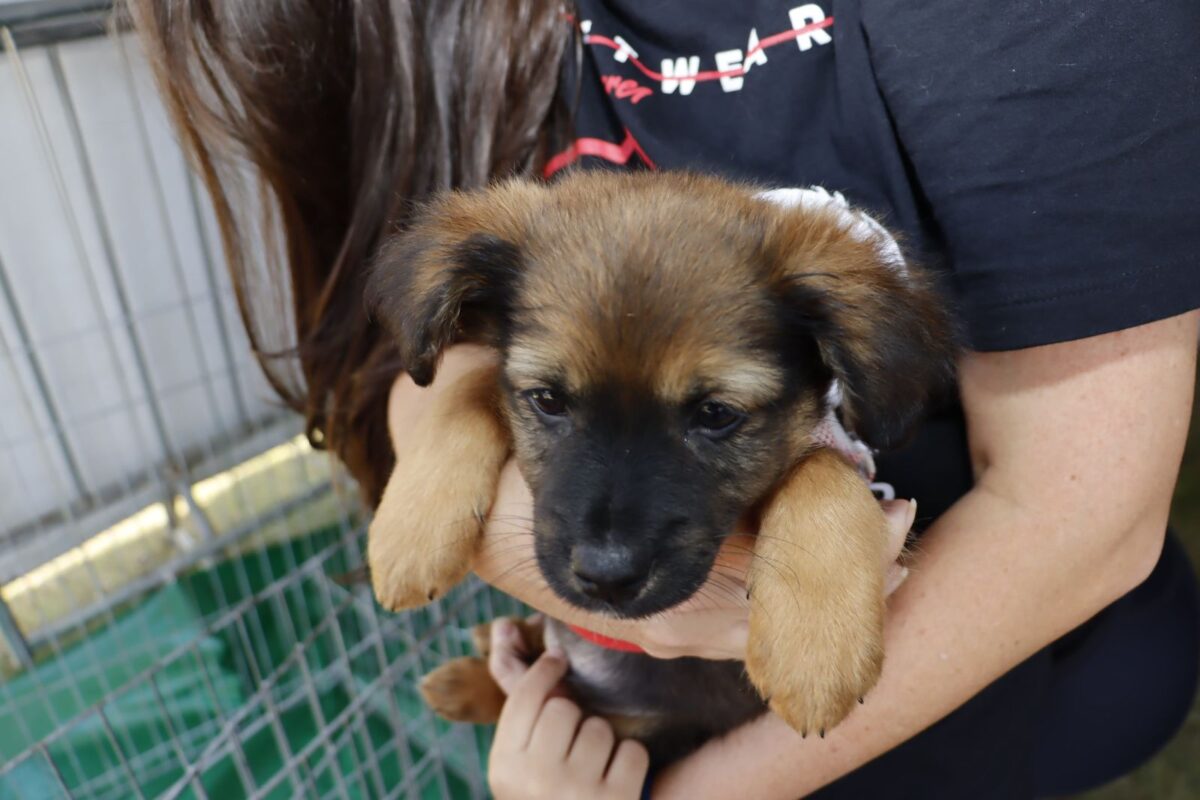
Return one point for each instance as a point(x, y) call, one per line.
point(881, 326)
point(452, 275)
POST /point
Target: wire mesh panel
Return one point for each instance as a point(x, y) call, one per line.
point(170, 625)
point(233, 682)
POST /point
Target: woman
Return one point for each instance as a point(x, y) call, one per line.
point(1042, 157)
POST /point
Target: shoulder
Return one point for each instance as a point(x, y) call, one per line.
point(1056, 145)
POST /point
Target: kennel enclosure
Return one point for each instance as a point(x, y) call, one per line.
point(171, 619)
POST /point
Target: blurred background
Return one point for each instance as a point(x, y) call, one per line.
point(170, 625)
point(170, 622)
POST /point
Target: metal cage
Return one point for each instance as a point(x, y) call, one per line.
point(170, 625)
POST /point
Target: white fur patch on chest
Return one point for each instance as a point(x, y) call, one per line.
point(591, 666)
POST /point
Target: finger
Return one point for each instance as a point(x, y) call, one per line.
point(592, 748)
point(900, 515)
point(505, 660)
point(525, 701)
point(736, 553)
point(555, 729)
point(896, 576)
point(627, 773)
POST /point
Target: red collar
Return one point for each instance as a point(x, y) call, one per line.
point(605, 641)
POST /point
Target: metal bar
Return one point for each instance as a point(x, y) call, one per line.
point(40, 691)
point(62, 784)
point(281, 740)
point(168, 571)
point(112, 739)
point(348, 685)
point(38, 22)
point(176, 259)
point(31, 545)
point(165, 715)
point(65, 451)
point(110, 258)
point(214, 291)
point(314, 705)
point(198, 514)
point(11, 633)
point(239, 755)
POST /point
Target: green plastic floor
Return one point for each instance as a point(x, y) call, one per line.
point(326, 728)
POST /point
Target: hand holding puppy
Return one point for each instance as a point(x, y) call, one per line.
point(542, 749)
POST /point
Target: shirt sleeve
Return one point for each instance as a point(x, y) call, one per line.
point(1057, 147)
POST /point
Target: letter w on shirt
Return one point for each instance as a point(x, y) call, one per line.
point(677, 74)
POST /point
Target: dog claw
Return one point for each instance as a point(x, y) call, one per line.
point(861, 701)
point(432, 594)
point(822, 733)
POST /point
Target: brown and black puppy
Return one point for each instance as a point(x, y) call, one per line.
point(669, 343)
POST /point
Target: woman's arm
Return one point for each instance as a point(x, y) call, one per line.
point(713, 624)
point(1076, 448)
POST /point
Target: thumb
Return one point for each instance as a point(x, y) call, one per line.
point(504, 660)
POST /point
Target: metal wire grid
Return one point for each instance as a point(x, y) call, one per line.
point(167, 471)
point(376, 662)
point(125, 335)
point(56, 633)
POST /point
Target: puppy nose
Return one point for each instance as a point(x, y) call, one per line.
point(608, 572)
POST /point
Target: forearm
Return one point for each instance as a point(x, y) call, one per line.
point(1076, 449)
point(992, 587)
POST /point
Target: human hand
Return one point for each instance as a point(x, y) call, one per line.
point(541, 748)
point(713, 623)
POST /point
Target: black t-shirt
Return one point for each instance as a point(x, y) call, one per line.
point(1044, 157)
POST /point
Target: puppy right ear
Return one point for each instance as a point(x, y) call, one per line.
point(882, 327)
point(452, 274)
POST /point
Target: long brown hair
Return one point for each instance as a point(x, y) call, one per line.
point(347, 112)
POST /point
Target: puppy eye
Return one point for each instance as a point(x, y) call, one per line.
point(547, 402)
point(716, 420)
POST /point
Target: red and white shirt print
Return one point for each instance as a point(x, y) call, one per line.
point(631, 74)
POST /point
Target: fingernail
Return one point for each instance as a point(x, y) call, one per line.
point(912, 513)
point(554, 651)
point(895, 579)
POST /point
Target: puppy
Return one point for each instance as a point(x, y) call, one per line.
point(672, 346)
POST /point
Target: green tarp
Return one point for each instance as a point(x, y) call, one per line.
point(205, 686)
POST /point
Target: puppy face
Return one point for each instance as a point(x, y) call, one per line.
point(668, 343)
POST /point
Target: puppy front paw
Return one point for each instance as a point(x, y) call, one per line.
point(463, 690)
point(409, 570)
point(812, 671)
point(816, 595)
point(430, 519)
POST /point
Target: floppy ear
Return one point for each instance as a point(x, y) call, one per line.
point(881, 326)
point(452, 274)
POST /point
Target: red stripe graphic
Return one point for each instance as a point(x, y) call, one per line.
point(712, 74)
point(614, 153)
